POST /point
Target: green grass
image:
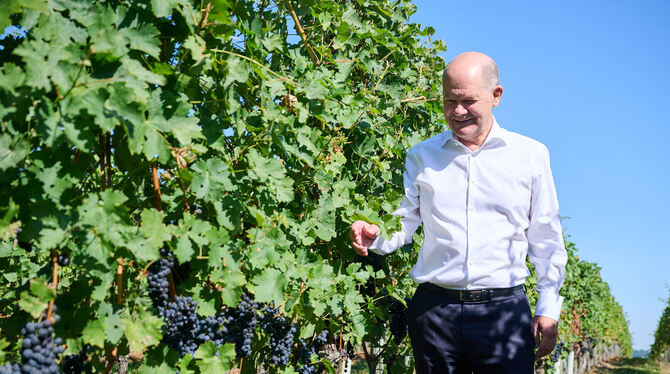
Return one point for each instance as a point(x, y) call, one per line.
point(630, 366)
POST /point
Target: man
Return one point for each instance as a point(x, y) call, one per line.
point(486, 199)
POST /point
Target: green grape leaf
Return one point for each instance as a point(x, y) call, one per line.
point(142, 330)
point(238, 71)
point(211, 179)
point(12, 151)
point(113, 327)
point(268, 286)
point(153, 228)
point(36, 301)
point(212, 359)
point(163, 8)
point(94, 333)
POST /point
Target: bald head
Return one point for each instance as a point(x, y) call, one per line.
point(469, 64)
point(471, 91)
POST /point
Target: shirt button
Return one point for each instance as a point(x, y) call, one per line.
point(469, 263)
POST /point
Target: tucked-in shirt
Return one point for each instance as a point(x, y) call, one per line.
point(483, 212)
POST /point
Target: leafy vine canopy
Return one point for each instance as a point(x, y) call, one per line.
point(241, 136)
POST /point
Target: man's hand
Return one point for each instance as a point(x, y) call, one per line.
point(362, 235)
point(545, 331)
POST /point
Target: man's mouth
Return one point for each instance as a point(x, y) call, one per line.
point(464, 121)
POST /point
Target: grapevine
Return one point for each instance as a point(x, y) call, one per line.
point(40, 349)
point(281, 332)
point(307, 349)
point(171, 168)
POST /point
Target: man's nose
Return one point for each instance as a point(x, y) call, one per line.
point(460, 109)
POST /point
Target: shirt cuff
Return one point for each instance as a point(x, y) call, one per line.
point(377, 245)
point(549, 305)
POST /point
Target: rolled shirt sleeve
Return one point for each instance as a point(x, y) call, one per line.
point(546, 249)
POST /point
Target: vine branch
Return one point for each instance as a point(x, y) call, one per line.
point(108, 156)
point(412, 99)
point(119, 281)
point(157, 188)
point(103, 162)
point(54, 281)
point(203, 20)
point(178, 154)
point(301, 31)
point(257, 63)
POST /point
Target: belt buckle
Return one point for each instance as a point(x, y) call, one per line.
point(474, 295)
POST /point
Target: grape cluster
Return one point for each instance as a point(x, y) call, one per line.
point(180, 314)
point(39, 350)
point(214, 329)
point(281, 333)
point(308, 348)
point(588, 343)
point(181, 320)
point(350, 350)
point(245, 319)
point(555, 355)
point(398, 323)
point(185, 329)
point(10, 369)
point(158, 284)
point(74, 364)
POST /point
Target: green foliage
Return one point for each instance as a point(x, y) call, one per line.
point(589, 310)
point(265, 153)
point(662, 336)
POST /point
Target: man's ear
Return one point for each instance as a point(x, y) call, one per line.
point(497, 94)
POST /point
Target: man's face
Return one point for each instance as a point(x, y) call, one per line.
point(468, 104)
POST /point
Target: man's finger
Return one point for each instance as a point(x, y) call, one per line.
point(371, 231)
point(545, 348)
point(360, 249)
point(536, 333)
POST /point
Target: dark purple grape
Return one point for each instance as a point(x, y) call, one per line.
point(63, 260)
point(306, 349)
point(398, 323)
point(281, 332)
point(39, 349)
point(26, 246)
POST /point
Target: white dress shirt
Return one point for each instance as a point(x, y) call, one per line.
point(482, 212)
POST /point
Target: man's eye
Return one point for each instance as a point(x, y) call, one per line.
point(469, 102)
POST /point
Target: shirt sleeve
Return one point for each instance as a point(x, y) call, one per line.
point(409, 210)
point(545, 239)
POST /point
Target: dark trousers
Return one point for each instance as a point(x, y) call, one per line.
point(456, 337)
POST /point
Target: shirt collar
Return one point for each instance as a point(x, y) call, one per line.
point(497, 136)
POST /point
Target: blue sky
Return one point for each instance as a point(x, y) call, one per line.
point(590, 80)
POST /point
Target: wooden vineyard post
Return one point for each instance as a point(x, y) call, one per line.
point(54, 281)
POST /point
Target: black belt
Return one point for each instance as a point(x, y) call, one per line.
point(470, 295)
